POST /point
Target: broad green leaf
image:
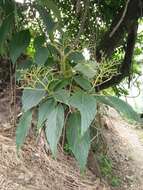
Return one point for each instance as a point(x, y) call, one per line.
point(53, 51)
point(58, 84)
point(23, 128)
point(122, 107)
point(76, 57)
point(47, 19)
point(54, 126)
point(79, 145)
point(41, 55)
point(86, 104)
point(5, 29)
point(19, 43)
point(83, 82)
point(44, 110)
point(62, 96)
point(88, 69)
point(31, 98)
point(39, 41)
point(52, 6)
point(62, 84)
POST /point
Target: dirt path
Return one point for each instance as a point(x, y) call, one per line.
point(126, 151)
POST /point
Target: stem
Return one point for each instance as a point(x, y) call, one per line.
point(63, 63)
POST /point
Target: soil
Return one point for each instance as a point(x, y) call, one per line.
point(34, 169)
point(126, 151)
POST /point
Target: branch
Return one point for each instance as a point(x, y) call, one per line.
point(110, 42)
point(120, 21)
point(125, 68)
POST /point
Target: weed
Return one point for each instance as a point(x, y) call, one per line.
point(67, 149)
point(107, 170)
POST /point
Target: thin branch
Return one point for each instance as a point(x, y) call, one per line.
point(120, 21)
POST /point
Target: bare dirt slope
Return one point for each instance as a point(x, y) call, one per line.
point(126, 151)
point(35, 171)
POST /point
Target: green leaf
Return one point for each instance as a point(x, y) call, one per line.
point(122, 107)
point(52, 6)
point(39, 41)
point(62, 96)
point(88, 69)
point(31, 98)
point(83, 82)
point(43, 111)
point(5, 29)
point(23, 128)
point(53, 51)
point(86, 104)
point(76, 57)
point(47, 19)
point(41, 55)
point(79, 145)
point(58, 84)
point(19, 43)
point(54, 126)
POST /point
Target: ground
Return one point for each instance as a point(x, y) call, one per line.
point(126, 151)
point(36, 170)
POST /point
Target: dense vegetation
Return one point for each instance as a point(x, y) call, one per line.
point(45, 41)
